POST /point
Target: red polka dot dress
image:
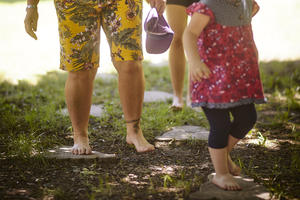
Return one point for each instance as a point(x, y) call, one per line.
point(231, 55)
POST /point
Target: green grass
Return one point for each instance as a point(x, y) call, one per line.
point(30, 123)
point(30, 116)
point(281, 76)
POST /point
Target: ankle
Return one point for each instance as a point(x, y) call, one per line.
point(80, 133)
point(222, 175)
point(177, 99)
point(133, 126)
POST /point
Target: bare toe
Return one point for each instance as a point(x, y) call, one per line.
point(146, 149)
point(81, 144)
point(140, 143)
point(80, 149)
point(75, 149)
point(226, 182)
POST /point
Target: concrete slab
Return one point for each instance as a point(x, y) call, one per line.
point(184, 133)
point(250, 191)
point(96, 110)
point(64, 152)
point(156, 96)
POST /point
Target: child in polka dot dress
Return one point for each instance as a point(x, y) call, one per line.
point(225, 78)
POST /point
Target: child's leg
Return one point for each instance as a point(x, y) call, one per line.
point(219, 120)
point(223, 178)
point(244, 118)
point(233, 168)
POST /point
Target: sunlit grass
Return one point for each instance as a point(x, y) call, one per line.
point(31, 123)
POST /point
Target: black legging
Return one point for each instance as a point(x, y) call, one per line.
point(244, 118)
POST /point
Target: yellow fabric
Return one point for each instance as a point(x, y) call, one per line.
point(79, 31)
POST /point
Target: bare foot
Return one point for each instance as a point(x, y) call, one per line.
point(233, 168)
point(225, 182)
point(81, 145)
point(140, 143)
point(177, 104)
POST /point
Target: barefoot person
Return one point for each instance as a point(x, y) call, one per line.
point(225, 77)
point(177, 19)
point(79, 32)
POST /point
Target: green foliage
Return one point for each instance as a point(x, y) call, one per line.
point(28, 115)
point(262, 139)
point(157, 118)
point(30, 122)
point(157, 78)
point(167, 180)
point(280, 75)
point(179, 181)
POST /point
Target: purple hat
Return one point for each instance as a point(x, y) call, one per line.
point(159, 34)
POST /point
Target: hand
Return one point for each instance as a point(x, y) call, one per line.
point(31, 21)
point(160, 5)
point(199, 71)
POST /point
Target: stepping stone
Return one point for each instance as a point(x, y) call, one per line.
point(250, 191)
point(155, 96)
point(185, 133)
point(96, 111)
point(65, 153)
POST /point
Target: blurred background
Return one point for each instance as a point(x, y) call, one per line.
point(276, 30)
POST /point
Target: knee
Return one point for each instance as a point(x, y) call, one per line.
point(252, 119)
point(249, 121)
point(83, 75)
point(243, 125)
point(218, 136)
point(177, 41)
point(129, 67)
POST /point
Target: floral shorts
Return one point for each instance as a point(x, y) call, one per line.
point(79, 31)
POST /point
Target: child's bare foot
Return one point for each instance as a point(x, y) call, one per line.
point(225, 182)
point(140, 143)
point(81, 145)
point(233, 168)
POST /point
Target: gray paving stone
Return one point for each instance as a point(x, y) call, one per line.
point(250, 191)
point(184, 133)
point(96, 110)
point(155, 96)
point(65, 153)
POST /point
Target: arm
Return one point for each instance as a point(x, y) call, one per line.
point(198, 69)
point(255, 8)
point(160, 5)
point(31, 18)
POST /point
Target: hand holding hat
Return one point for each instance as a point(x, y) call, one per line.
point(160, 5)
point(159, 34)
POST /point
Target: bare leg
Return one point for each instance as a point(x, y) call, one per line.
point(131, 89)
point(188, 96)
point(78, 90)
point(233, 168)
point(177, 19)
point(223, 178)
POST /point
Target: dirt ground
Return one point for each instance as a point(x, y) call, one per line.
point(172, 171)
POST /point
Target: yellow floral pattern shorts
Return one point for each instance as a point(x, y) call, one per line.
point(79, 31)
